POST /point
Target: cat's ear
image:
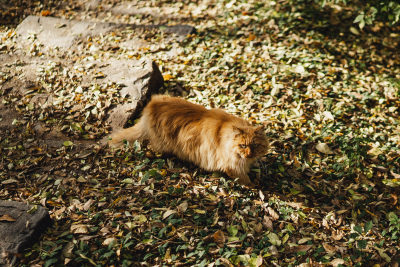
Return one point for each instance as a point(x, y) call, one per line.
point(238, 131)
point(260, 130)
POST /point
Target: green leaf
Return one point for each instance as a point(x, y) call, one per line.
point(77, 127)
point(50, 262)
point(233, 230)
point(68, 143)
point(281, 168)
point(147, 241)
point(358, 229)
point(147, 256)
point(290, 228)
point(354, 31)
point(383, 254)
point(87, 258)
point(359, 18)
point(127, 181)
point(151, 173)
point(361, 24)
point(233, 239)
point(368, 226)
point(244, 259)
point(141, 218)
point(255, 261)
point(362, 244)
point(285, 238)
point(392, 217)
point(203, 263)
point(274, 239)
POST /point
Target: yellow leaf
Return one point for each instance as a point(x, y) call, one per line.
point(200, 211)
point(167, 77)
point(141, 218)
point(173, 231)
point(45, 13)
point(251, 37)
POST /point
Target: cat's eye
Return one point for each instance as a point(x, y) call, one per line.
point(242, 146)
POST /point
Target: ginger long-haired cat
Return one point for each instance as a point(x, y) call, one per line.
point(210, 138)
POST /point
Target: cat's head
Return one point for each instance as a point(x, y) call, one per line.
point(250, 142)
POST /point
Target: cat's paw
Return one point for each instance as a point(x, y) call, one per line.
point(245, 180)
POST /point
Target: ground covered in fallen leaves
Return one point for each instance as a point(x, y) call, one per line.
point(327, 93)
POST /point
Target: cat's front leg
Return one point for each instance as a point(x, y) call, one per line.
point(244, 179)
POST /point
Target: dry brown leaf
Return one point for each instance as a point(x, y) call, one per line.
point(7, 218)
point(108, 241)
point(395, 175)
point(59, 212)
point(341, 211)
point(259, 261)
point(219, 238)
point(325, 223)
point(296, 205)
point(394, 198)
point(328, 248)
point(336, 262)
point(183, 206)
point(273, 213)
point(79, 229)
point(324, 148)
point(225, 262)
point(67, 250)
point(337, 235)
point(267, 223)
point(88, 203)
point(261, 195)
point(258, 227)
point(301, 248)
point(168, 213)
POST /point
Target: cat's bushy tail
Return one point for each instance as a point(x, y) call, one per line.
point(136, 132)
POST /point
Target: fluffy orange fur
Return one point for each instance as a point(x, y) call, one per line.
point(210, 138)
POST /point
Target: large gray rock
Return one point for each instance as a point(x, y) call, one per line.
point(140, 79)
point(20, 226)
point(128, 8)
point(58, 32)
point(62, 33)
